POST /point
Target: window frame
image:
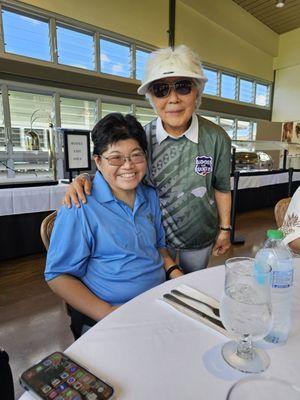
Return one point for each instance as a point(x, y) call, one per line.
point(239, 76)
point(54, 20)
point(28, 14)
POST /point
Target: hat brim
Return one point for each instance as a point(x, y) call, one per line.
point(143, 89)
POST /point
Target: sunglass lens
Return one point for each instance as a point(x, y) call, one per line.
point(160, 89)
point(183, 87)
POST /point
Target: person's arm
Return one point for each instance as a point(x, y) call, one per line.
point(78, 190)
point(169, 262)
point(75, 293)
point(223, 202)
point(295, 245)
point(160, 234)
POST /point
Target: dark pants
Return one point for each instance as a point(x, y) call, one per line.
point(78, 320)
point(6, 379)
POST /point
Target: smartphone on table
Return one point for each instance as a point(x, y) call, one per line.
point(57, 377)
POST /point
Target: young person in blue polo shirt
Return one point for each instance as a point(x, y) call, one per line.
point(112, 248)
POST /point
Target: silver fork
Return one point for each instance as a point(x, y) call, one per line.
point(214, 309)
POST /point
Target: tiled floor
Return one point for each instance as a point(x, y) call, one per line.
point(33, 322)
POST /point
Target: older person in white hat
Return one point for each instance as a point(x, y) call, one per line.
point(188, 159)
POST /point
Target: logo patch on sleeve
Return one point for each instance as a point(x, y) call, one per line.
point(204, 165)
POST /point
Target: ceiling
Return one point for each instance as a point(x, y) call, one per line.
point(280, 20)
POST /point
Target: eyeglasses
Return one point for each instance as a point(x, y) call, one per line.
point(119, 160)
point(163, 89)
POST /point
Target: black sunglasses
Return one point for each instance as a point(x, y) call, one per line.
point(163, 89)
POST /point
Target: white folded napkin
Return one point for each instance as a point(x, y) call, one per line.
point(201, 307)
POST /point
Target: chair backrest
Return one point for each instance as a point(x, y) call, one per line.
point(46, 228)
point(280, 210)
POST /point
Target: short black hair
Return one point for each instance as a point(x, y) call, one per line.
point(114, 127)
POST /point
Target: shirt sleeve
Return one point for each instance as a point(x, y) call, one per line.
point(70, 245)
point(222, 166)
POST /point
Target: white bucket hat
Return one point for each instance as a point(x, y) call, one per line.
point(164, 63)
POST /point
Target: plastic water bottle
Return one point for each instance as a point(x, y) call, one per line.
point(278, 256)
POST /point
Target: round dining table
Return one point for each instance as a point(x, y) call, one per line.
point(148, 350)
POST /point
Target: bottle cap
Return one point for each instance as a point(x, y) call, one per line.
point(274, 234)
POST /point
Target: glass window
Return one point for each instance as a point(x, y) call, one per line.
point(75, 48)
point(29, 112)
point(144, 115)
point(246, 91)
point(26, 35)
point(228, 86)
point(211, 86)
point(77, 113)
point(115, 58)
point(141, 59)
point(244, 130)
point(228, 125)
point(262, 94)
point(211, 118)
point(110, 108)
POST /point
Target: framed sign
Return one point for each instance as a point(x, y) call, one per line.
point(77, 150)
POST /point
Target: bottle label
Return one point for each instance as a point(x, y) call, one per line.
point(282, 279)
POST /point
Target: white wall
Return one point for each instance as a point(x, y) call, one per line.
point(144, 20)
point(286, 106)
point(226, 35)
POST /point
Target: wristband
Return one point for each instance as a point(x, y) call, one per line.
point(171, 269)
point(225, 228)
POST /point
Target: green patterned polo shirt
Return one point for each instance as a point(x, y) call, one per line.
point(185, 175)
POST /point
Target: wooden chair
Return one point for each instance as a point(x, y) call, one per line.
point(280, 210)
point(45, 231)
point(46, 228)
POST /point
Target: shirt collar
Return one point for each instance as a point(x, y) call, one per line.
point(191, 133)
point(102, 191)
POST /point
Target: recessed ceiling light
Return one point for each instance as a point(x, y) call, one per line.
point(280, 3)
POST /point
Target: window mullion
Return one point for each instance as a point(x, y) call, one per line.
point(133, 109)
point(1, 32)
point(219, 83)
point(237, 89)
point(7, 124)
point(6, 109)
point(254, 93)
point(97, 51)
point(133, 60)
point(98, 108)
point(53, 40)
point(235, 129)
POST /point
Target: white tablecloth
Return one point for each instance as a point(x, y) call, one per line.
point(31, 199)
point(44, 198)
point(147, 350)
point(248, 182)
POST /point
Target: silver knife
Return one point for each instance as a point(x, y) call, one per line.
point(215, 310)
point(174, 299)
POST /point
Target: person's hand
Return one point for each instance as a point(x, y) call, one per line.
point(78, 190)
point(222, 244)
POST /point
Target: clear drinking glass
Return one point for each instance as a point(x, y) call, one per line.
point(246, 313)
point(263, 388)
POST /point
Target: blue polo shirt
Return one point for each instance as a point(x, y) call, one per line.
point(111, 248)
